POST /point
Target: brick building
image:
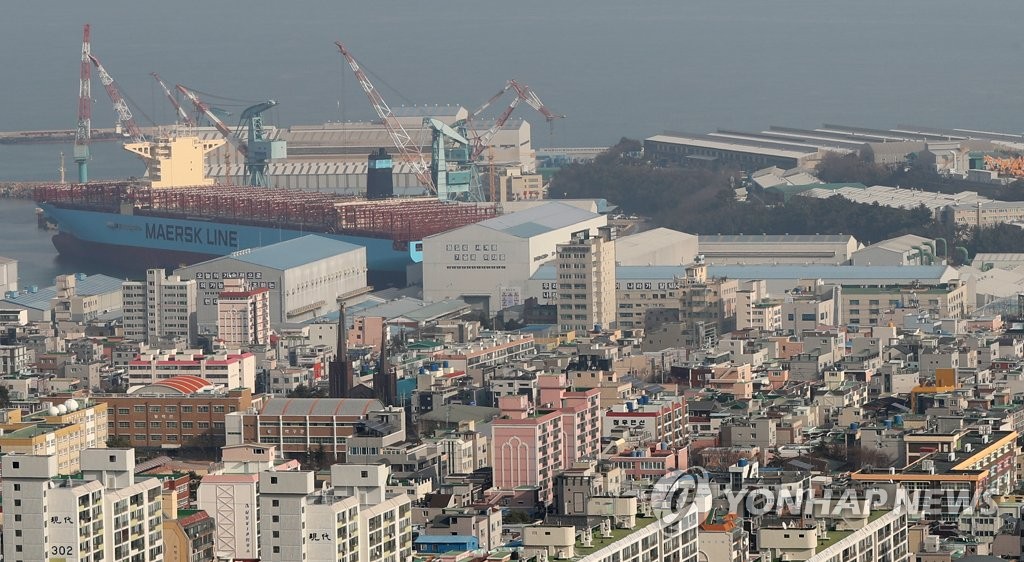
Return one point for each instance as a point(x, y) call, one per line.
point(177, 412)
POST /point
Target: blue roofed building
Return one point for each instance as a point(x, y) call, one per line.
point(305, 277)
point(440, 544)
point(83, 297)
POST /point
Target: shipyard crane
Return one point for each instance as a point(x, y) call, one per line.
point(183, 115)
point(407, 149)
point(84, 130)
point(257, 149)
point(523, 93)
point(124, 114)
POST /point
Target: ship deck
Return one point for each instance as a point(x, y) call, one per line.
point(399, 219)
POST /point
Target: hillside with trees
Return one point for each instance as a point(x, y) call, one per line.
point(702, 201)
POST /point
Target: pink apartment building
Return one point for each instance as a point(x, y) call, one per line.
point(530, 446)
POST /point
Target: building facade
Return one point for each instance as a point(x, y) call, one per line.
point(586, 281)
point(243, 315)
point(160, 308)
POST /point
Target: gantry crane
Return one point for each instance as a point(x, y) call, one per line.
point(183, 115)
point(407, 149)
point(84, 130)
point(124, 114)
point(257, 149)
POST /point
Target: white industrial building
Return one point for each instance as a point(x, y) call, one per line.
point(658, 246)
point(305, 276)
point(781, 278)
point(750, 249)
point(908, 249)
point(489, 264)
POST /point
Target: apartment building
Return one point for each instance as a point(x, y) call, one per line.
point(189, 535)
point(230, 496)
point(103, 513)
point(356, 520)
point(865, 305)
point(230, 369)
point(645, 419)
point(527, 447)
point(588, 298)
point(974, 462)
point(62, 431)
point(177, 412)
point(491, 351)
point(635, 539)
point(159, 309)
point(243, 315)
point(877, 535)
point(13, 359)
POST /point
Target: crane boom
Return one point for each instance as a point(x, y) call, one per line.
point(408, 150)
point(523, 93)
point(124, 114)
point(201, 106)
point(182, 114)
point(84, 130)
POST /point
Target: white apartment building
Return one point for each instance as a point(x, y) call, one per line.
point(586, 280)
point(232, 369)
point(104, 515)
point(243, 315)
point(160, 308)
point(754, 310)
point(668, 539)
point(355, 521)
point(860, 537)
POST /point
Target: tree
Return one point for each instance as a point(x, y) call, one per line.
point(5, 397)
point(118, 442)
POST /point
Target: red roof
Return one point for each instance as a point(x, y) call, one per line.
point(186, 384)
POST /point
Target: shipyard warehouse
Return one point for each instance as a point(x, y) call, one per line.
point(304, 276)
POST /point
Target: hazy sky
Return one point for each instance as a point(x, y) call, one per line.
point(614, 67)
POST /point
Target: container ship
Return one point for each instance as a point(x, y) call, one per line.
point(180, 217)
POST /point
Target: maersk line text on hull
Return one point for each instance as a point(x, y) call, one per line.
point(192, 234)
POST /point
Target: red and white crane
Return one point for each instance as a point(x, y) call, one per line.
point(523, 93)
point(124, 114)
point(183, 115)
point(408, 150)
point(84, 130)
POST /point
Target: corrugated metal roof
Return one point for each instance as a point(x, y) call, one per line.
point(707, 239)
point(91, 285)
point(348, 407)
point(539, 219)
point(295, 252)
point(833, 272)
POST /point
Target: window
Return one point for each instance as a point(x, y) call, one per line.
point(275, 503)
point(154, 409)
point(186, 409)
point(186, 425)
point(122, 411)
point(140, 409)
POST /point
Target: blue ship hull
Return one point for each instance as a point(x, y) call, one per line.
point(165, 242)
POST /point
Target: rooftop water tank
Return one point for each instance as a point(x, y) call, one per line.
point(899, 421)
point(80, 276)
point(888, 424)
point(854, 426)
point(742, 462)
